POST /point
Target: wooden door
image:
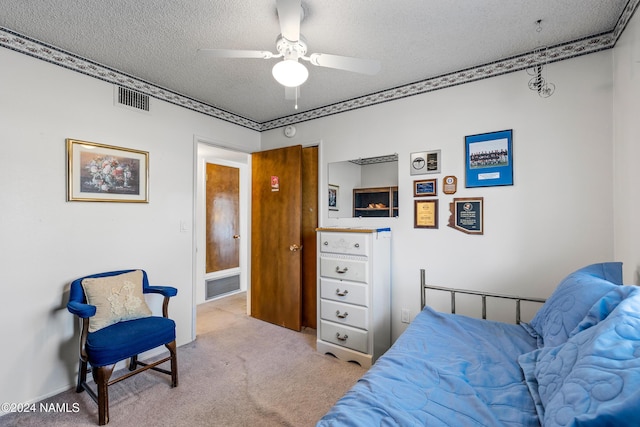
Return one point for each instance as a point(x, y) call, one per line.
point(276, 196)
point(309, 225)
point(223, 217)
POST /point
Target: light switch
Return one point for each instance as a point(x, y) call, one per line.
point(404, 315)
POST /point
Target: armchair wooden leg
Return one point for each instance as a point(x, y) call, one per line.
point(82, 376)
point(133, 363)
point(101, 376)
point(174, 363)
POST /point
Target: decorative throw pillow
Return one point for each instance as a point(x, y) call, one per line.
point(116, 298)
point(572, 299)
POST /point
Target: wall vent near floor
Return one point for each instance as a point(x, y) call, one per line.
point(217, 287)
point(133, 99)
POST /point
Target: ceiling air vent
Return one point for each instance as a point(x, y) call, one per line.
point(133, 99)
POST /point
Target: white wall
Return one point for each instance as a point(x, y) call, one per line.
point(46, 242)
point(626, 104)
point(558, 215)
point(380, 174)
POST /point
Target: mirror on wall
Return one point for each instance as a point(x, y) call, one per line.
point(364, 187)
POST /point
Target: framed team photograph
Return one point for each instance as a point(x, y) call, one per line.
point(489, 159)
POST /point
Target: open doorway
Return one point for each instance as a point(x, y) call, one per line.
point(214, 280)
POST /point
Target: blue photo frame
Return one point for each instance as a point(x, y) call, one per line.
point(489, 159)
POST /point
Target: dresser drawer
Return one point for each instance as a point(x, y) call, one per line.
point(346, 336)
point(345, 243)
point(344, 269)
point(346, 314)
point(352, 293)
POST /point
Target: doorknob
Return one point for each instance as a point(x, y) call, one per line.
point(295, 248)
point(236, 236)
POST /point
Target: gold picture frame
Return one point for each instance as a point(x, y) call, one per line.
point(105, 173)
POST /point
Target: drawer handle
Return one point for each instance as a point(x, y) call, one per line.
point(344, 270)
point(341, 294)
point(344, 338)
point(326, 243)
point(357, 245)
point(341, 316)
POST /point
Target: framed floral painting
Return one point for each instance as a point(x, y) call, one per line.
point(334, 192)
point(104, 173)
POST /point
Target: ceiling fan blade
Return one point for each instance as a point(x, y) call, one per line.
point(231, 53)
point(291, 93)
point(290, 15)
point(347, 63)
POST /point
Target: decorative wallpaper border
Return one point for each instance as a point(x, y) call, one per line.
point(557, 53)
point(54, 55)
point(19, 43)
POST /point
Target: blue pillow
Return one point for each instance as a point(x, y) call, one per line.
point(594, 377)
point(572, 299)
point(602, 308)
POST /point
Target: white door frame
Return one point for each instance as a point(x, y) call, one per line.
point(209, 151)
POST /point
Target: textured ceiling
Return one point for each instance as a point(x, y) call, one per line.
point(156, 41)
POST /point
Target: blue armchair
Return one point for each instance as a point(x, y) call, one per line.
point(116, 325)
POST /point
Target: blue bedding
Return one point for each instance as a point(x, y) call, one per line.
point(444, 370)
point(576, 363)
point(593, 378)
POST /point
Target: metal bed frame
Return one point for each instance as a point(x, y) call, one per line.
point(424, 287)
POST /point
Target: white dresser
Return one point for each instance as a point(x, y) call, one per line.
point(354, 293)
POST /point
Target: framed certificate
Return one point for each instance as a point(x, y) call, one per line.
point(467, 215)
point(425, 187)
point(426, 214)
point(425, 162)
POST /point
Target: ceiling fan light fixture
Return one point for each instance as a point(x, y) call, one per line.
point(290, 73)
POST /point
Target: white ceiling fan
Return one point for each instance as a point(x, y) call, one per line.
point(291, 47)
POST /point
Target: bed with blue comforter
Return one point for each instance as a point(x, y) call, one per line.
point(576, 363)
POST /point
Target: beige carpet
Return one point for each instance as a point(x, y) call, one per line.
point(239, 372)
